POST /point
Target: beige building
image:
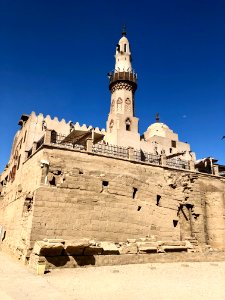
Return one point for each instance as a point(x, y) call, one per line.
point(74, 192)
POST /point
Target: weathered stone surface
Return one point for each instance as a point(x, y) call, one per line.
point(76, 247)
point(93, 250)
point(147, 247)
point(128, 249)
point(42, 248)
point(109, 248)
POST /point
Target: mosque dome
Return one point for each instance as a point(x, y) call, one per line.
point(158, 126)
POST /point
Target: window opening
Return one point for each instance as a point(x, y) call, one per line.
point(134, 192)
point(158, 197)
point(139, 208)
point(128, 124)
point(125, 47)
point(105, 183)
point(174, 144)
point(175, 222)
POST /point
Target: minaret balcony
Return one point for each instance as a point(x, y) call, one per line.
point(130, 77)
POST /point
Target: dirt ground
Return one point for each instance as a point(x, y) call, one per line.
point(147, 281)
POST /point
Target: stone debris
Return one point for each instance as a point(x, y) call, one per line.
point(57, 247)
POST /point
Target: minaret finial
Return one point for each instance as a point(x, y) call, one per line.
point(157, 117)
point(124, 32)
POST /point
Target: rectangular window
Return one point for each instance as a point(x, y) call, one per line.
point(125, 47)
point(174, 144)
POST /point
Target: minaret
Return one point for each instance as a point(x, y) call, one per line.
point(122, 125)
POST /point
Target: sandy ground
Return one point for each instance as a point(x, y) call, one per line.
point(148, 281)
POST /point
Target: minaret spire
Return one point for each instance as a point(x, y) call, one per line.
point(124, 32)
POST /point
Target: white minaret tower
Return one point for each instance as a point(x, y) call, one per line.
point(122, 126)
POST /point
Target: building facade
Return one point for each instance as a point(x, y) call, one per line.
point(66, 182)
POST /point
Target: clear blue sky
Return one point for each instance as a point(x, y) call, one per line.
point(54, 57)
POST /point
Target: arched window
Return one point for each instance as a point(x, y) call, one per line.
point(128, 105)
point(119, 104)
point(112, 105)
point(128, 124)
point(125, 47)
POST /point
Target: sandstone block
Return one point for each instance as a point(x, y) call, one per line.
point(131, 240)
point(47, 249)
point(93, 250)
point(76, 247)
point(109, 248)
point(174, 248)
point(147, 247)
point(128, 249)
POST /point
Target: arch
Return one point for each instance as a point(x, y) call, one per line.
point(128, 104)
point(119, 104)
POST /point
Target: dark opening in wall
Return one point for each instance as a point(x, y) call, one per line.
point(139, 208)
point(175, 222)
point(174, 144)
point(158, 197)
point(81, 172)
point(134, 192)
point(105, 183)
point(171, 150)
point(52, 182)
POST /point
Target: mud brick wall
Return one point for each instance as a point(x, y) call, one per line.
point(102, 198)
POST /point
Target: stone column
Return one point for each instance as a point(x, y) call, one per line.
point(48, 135)
point(163, 160)
point(131, 153)
point(191, 165)
point(216, 170)
point(215, 222)
point(89, 145)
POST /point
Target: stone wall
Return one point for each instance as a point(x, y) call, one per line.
point(83, 195)
point(103, 198)
point(16, 207)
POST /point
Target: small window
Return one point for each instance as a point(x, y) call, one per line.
point(125, 47)
point(174, 144)
point(158, 197)
point(171, 150)
point(128, 124)
point(175, 222)
point(134, 192)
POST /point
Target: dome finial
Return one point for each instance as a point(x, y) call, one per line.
point(157, 117)
point(124, 32)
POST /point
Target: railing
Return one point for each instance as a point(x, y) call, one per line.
point(57, 138)
point(29, 152)
point(177, 163)
point(150, 158)
point(111, 150)
point(40, 142)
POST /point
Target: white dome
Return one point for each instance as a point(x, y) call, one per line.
point(157, 126)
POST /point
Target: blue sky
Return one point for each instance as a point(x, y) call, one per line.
point(54, 57)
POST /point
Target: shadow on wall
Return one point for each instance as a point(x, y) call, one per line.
point(60, 261)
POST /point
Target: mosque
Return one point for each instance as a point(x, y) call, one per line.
point(65, 181)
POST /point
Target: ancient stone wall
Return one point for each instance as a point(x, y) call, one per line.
point(75, 194)
point(91, 196)
point(16, 207)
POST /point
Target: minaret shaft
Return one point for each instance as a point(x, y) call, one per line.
point(122, 125)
